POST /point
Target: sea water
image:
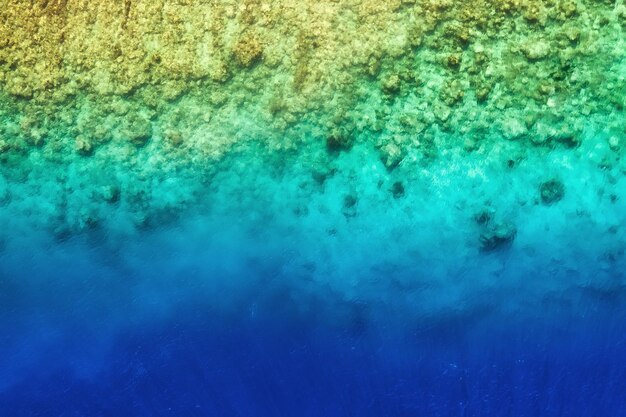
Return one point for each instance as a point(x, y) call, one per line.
point(270, 297)
point(189, 248)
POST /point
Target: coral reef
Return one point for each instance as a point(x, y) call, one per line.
point(161, 87)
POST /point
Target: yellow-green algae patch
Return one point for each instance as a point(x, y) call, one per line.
point(146, 90)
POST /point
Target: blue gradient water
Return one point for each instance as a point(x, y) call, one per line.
point(270, 297)
point(89, 348)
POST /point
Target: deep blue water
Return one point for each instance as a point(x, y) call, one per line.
point(84, 345)
point(202, 365)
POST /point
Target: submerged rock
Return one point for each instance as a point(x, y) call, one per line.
point(320, 176)
point(391, 155)
point(83, 146)
point(4, 146)
point(614, 143)
point(349, 205)
point(391, 84)
point(568, 139)
point(5, 194)
point(536, 50)
point(248, 50)
point(397, 189)
point(551, 191)
point(138, 130)
point(337, 142)
point(513, 129)
point(484, 216)
point(111, 193)
point(497, 236)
